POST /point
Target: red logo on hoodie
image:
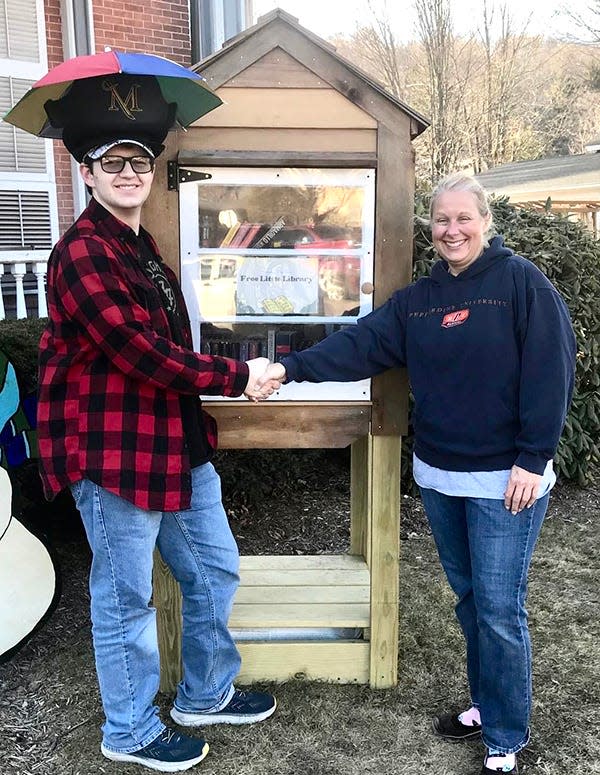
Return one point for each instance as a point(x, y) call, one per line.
point(455, 318)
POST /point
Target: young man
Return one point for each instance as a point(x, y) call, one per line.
point(120, 423)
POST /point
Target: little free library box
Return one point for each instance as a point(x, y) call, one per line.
point(287, 213)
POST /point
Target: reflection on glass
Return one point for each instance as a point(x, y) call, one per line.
point(275, 259)
point(278, 246)
point(280, 216)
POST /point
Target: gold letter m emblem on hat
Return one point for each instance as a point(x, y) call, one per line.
point(129, 105)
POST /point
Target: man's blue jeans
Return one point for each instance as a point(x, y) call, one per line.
point(486, 551)
point(201, 552)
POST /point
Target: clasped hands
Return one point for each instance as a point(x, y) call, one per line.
point(264, 379)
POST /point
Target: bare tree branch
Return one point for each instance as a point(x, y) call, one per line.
point(587, 21)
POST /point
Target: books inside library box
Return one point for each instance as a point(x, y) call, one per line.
point(254, 341)
point(278, 235)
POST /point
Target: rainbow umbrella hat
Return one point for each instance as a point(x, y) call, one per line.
point(180, 85)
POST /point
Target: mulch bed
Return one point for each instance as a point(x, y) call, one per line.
point(297, 503)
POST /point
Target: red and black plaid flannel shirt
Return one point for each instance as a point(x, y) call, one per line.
point(110, 376)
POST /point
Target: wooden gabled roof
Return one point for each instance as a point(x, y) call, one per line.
point(279, 29)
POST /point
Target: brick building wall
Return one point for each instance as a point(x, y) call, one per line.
point(155, 27)
point(62, 164)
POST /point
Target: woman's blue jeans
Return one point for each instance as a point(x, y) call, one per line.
point(201, 552)
point(486, 551)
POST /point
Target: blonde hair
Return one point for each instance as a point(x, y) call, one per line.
point(460, 181)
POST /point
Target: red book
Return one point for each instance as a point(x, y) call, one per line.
point(253, 348)
point(284, 343)
point(247, 238)
point(240, 234)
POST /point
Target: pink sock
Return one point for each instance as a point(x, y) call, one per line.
point(470, 717)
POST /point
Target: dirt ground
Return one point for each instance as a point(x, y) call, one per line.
point(49, 706)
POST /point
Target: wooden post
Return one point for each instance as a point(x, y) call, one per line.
point(384, 558)
point(360, 505)
point(167, 601)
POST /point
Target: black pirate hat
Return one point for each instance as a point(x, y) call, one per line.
point(97, 110)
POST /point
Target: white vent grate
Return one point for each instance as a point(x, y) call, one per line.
point(25, 220)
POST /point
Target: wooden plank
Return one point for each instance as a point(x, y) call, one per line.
point(390, 405)
point(340, 661)
point(309, 578)
point(385, 549)
point(277, 68)
point(248, 51)
point(393, 264)
point(263, 595)
point(315, 108)
point(303, 561)
point(359, 497)
point(394, 208)
point(160, 215)
point(270, 158)
point(290, 615)
point(166, 598)
point(278, 139)
point(289, 425)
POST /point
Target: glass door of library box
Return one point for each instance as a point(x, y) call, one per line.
point(274, 260)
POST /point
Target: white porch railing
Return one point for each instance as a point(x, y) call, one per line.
point(28, 267)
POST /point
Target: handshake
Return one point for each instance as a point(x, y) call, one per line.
point(264, 378)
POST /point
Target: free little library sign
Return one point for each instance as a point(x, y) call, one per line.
point(278, 286)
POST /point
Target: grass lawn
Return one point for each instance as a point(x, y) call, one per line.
point(50, 714)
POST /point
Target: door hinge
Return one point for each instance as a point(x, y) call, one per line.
point(177, 175)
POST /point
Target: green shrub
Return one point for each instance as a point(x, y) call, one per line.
point(563, 250)
point(569, 256)
point(19, 340)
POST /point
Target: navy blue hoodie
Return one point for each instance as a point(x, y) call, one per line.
point(490, 356)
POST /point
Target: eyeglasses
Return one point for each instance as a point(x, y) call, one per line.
point(116, 164)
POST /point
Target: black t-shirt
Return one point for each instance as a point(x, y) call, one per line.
point(199, 449)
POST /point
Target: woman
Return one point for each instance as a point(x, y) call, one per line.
point(490, 353)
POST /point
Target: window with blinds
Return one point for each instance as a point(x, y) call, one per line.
point(19, 31)
point(19, 151)
point(25, 222)
point(28, 217)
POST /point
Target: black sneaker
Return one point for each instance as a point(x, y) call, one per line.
point(169, 752)
point(451, 728)
point(242, 708)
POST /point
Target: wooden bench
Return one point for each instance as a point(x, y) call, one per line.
point(315, 593)
point(357, 591)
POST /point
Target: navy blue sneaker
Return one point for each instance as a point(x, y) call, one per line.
point(450, 727)
point(169, 752)
point(242, 708)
